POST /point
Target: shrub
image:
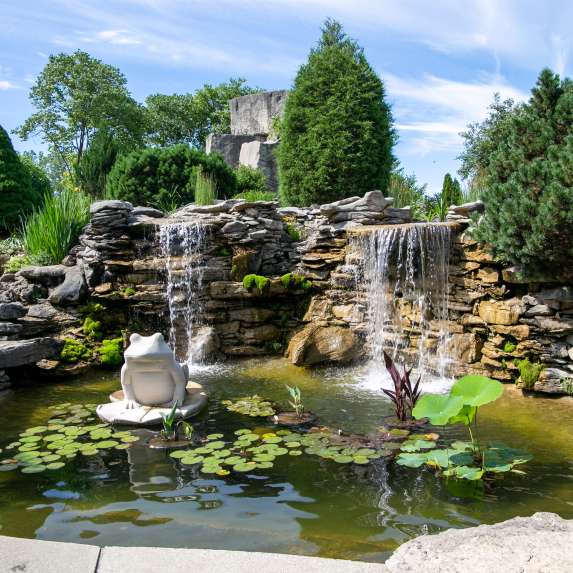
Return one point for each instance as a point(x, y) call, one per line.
point(293, 232)
point(251, 180)
point(15, 263)
point(294, 281)
point(524, 155)
point(407, 192)
point(205, 188)
point(529, 373)
point(110, 352)
point(258, 281)
point(161, 177)
point(74, 350)
point(38, 177)
point(336, 134)
point(451, 191)
point(18, 194)
point(50, 231)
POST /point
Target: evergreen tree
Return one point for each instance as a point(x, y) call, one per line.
point(97, 161)
point(17, 194)
point(524, 154)
point(336, 135)
point(451, 191)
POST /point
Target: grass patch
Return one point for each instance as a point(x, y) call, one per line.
point(205, 188)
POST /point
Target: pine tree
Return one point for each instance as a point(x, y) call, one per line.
point(17, 194)
point(336, 135)
point(528, 177)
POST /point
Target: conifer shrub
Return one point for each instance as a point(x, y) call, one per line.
point(336, 135)
point(18, 194)
point(523, 155)
point(166, 176)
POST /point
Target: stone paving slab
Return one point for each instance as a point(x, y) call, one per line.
point(33, 556)
point(152, 560)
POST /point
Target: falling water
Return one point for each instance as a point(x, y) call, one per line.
point(181, 246)
point(404, 275)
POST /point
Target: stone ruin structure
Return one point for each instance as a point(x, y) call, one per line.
point(252, 141)
point(495, 316)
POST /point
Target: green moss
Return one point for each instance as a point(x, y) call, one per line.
point(110, 352)
point(223, 252)
point(129, 291)
point(92, 328)
point(509, 347)
point(529, 373)
point(74, 350)
point(295, 282)
point(15, 263)
point(92, 309)
point(261, 283)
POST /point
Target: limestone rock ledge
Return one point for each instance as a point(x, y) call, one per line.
point(536, 544)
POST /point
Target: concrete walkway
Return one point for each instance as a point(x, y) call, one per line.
point(33, 556)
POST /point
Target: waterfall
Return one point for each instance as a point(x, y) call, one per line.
point(181, 246)
point(403, 273)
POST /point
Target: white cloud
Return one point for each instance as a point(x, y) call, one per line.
point(430, 112)
point(6, 85)
point(117, 37)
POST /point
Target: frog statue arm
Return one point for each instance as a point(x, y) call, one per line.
point(180, 374)
point(127, 387)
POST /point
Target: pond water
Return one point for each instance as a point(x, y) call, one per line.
point(303, 505)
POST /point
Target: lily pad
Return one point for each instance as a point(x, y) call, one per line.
point(35, 469)
point(106, 444)
point(476, 390)
point(343, 459)
point(295, 453)
point(55, 466)
point(214, 436)
point(438, 408)
point(244, 467)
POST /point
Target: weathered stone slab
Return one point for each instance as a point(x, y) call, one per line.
point(20, 352)
point(110, 205)
point(12, 310)
point(538, 544)
point(253, 114)
point(73, 290)
point(506, 312)
point(32, 556)
point(49, 275)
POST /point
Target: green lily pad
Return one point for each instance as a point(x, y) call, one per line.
point(215, 445)
point(30, 439)
point(417, 445)
point(469, 473)
point(210, 469)
point(233, 460)
point(51, 458)
point(361, 460)
point(295, 453)
point(264, 465)
point(122, 447)
point(438, 408)
point(35, 469)
point(214, 436)
point(476, 390)
point(264, 458)
point(177, 454)
point(343, 459)
point(192, 460)
point(36, 430)
point(106, 444)
point(244, 467)
point(55, 466)
point(412, 460)
point(8, 467)
point(273, 440)
point(223, 472)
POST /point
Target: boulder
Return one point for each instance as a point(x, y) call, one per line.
point(556, 326)
point(558, 298)
point(536, 544)
point(49, 276)
point(254, 114)
point(554, 381)
point(148, 212)
point(465, 347)
point(205, 344)
point(316, 344)
point(12, 310)
point(488, 275)
point(110, 205)
point(73, 290)
point(505, 312)
point(20, 352)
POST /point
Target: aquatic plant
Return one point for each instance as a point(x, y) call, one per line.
point(169, 431)
point(466, 460)
point(404, 396)
point(253, 406)
point(205, 188)
point(256, 281)
point(509, 347)
point(529, 373)
point(248, 451)
point(74, 350)
point(296, 399)
point(70, 430)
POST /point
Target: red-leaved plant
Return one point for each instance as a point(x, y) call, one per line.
point(404, 396)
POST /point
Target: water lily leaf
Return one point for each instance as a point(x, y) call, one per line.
point(464, 416)
point(264, 458)
point(264, 465)
point(30, 439)
point(191, 460)
point(244, 467)
point(214, 436)
point(50, 458)
point(233, 460)
point(295, 453)
point(223, 472)
point(417, 445)
point(36, 430)
point(445, 458)
point(216, 445)
point(269, 435)
point(476, 390)
point(122, 447)
point(458, 445)
point(365, 452)
point(399, 433)
point(210, 469)
point(203, 450)
point(55, 466)
point(273, 440)
point(13, 445)
point(361, 460)
point(412, 460)
point(89, 451)
point(35, 469)
point(106, 444)
point(469, 473)
point(438, 408)
point(242, 432)
point(343, 459)
point(8, 467)
point(54, 437)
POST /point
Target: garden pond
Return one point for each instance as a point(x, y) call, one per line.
point(303, 504)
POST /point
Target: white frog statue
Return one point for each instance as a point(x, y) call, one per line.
point(151, 376)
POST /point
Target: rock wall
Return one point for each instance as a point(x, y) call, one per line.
point(496, 318)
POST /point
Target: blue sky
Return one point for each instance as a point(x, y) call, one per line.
point(441, 60)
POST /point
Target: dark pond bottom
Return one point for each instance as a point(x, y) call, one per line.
point(303, 505)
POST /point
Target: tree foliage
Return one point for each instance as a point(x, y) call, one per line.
point(73, 95)
point(451, 191)
point(337, 135)
point(524, 153)
point(20, 185)
point(166, 177)
point(189, 118)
